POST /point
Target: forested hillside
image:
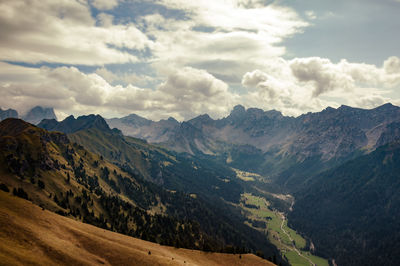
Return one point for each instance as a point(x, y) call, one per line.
point(46, 168)
point(352, 212)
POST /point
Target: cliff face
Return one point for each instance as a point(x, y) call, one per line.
point(38, 113)
point(331, 133)
point(9, 113)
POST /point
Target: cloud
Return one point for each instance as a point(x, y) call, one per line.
point(185, 93)
point(104, 4)
point(310, 14)
point(392, 65)
point(64, 32)
point(324, 75)
point(218, 34)
point(371, 101)
point(253, 79)
point(105, 20)
point(309, 84)
point(192, 55)
point(195, 91)
point(124, 78)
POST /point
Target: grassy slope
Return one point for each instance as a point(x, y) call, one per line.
point(276, 235)
point(203, 225)
point(114, 147)
point(30, 235)
point(54, 179)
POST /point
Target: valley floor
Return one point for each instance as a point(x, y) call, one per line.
point(288, 241)
point(32, 236)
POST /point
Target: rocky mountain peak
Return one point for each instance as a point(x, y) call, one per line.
point(201, 120)
point(9, 113)
point(70, 124)
point(171, 119)
point(38, 113)
point(135, 120)
point(238, 110)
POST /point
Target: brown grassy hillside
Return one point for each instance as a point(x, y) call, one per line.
point(30, 235)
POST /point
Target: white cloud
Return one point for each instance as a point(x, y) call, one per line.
point(217, 35)
point(253, 79)
point(309, 84)
point(64, 32)
point(195, 56)
point(392, 65)
point(324, 75)
point(104, 4)
point(124, 78)
point(105, 20)
point(186, 93)
point(310, 14)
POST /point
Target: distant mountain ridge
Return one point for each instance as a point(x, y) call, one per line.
point(9, 113)
point(70, 124)
point(33, 116)
point(38, 113)
point(155, 164)
point(277, 141)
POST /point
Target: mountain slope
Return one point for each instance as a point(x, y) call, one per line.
point(352, 212)
point(30, 235)
point(278, 145)
point(70, 124)
point(9, 113)
point(64, 177)
point(171, 170)
point(38, 113)
point(139, 127)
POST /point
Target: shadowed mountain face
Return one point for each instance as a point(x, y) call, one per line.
point(340, 164)
point(330, 133)
point(70, 124)
point(352, 212)
point(277, 142)
point(173, 171)
point(38, 113)
point(9, 113)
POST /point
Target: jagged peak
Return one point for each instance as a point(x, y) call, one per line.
point(255, 110)
point(387, 106)
point(238, 109)
point(71, 124)
point(69, 118)
point(134, 116)
point(343, 107)
point(172, 119)
point(38, 113)
point(273, 114)
point(203, 118)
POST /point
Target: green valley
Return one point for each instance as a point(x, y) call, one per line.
point(274, 224)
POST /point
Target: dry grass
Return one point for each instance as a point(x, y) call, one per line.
point(32, 236)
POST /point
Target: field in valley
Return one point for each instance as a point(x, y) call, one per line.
point(288, 241)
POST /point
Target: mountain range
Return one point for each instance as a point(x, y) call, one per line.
point(333, 174)
point(275, 143)
point(340, 164)
point(33, 116)
point(54, 172)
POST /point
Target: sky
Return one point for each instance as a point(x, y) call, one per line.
point(181, 58)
